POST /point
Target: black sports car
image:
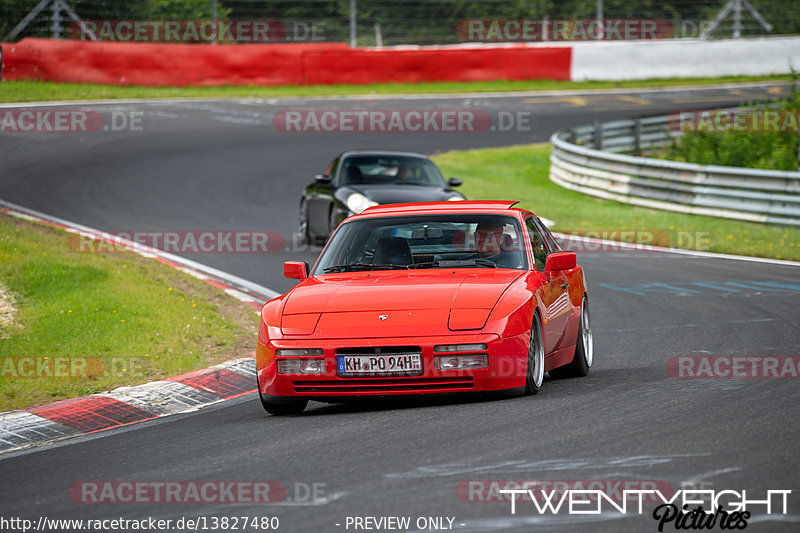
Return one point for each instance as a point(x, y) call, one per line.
point(358, 179)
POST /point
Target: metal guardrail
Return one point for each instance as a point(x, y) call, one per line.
point(594, 159)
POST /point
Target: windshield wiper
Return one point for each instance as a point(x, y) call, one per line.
point(453, 263)
point(365, 266)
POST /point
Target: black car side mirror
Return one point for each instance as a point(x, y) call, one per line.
point(322, 178)
point(454, 182)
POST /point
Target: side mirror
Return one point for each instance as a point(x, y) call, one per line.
point(454, 182)
point(322, 178)
point(295, 270)
point(560, 261)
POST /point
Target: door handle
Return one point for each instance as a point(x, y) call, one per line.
point(564, 285)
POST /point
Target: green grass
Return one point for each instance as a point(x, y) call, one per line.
point(122, 319)
point(522, 173)
point(34, 91)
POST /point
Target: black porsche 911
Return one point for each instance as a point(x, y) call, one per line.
point(358, 179)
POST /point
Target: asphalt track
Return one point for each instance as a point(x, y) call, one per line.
point(221, 165)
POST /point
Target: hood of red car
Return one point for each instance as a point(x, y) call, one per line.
point(400, 290)
point(457, 299)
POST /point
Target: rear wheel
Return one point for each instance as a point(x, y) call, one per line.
point(584, 349)
point(535, 373)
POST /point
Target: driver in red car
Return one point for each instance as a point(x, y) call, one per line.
point(492, 244)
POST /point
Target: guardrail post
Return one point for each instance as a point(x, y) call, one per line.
point(55, 19)
point(637, 137)
point(598, 135)
point(352, 23)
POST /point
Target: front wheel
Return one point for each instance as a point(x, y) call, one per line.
point(333, 220)
point(283, 408)
point(535, 373)
point(584, 349)
point(303, 226)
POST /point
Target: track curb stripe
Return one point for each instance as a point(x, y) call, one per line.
point(132, 404)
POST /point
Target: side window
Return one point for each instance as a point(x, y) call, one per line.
point(548, 237)
point(538, 244)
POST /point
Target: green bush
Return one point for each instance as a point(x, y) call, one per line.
point(773, 150)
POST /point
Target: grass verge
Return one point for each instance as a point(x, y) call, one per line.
point(88, 322)
point(522, 173)
point(36, 91)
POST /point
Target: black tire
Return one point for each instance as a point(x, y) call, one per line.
point(581, 362)
point(534, 375)
point(305, 238)
point(283, 408)
point(333, 223)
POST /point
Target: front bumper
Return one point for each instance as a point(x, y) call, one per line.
point(507, 363)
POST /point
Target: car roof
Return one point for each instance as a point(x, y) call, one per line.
point(349, 153)
point(460, 206)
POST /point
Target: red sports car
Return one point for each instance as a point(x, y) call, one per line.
point(426, 298)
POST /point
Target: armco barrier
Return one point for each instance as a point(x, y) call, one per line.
point(587, 159)
point(151, 64)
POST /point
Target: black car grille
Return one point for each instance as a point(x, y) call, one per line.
point(379, 350)
point(387, 385)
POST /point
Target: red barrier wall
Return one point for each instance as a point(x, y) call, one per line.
point(436, 64)
point(150, 64)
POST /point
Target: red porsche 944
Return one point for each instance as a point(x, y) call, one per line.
point(426, 298)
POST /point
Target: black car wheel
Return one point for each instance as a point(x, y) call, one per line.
point(282, 408)
point(535, 374)
point(584, 349)
point(305, 238)
point(333, 220)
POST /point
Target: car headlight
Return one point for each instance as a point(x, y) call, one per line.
point(357, 202)
point(455, 199)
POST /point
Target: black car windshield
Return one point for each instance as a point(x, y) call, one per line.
point(425, 241)
point(390, 170)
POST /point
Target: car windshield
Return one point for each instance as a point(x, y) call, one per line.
point(425, 241)
point(390, 170)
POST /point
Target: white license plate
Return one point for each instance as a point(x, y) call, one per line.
point(383, 365)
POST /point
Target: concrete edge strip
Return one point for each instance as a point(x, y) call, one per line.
point(131, 404)
point(426, 96)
